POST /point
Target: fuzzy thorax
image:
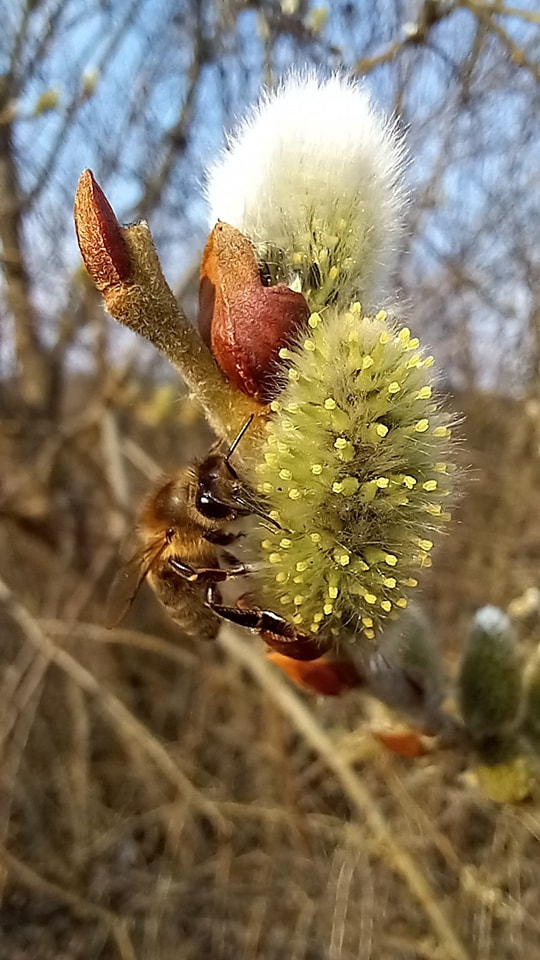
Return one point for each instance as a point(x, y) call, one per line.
point(314, 178)
point(355, 470)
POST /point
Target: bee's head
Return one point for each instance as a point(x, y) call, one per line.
point(219, 491)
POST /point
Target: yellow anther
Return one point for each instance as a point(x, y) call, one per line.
point(414, 361)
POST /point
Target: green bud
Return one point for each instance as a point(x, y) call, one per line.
point(48, 100)
point(355, 470)
point(510, 782)
point(406, 672)
point(531, 721)
point(490, 684)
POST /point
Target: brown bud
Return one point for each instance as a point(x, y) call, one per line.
point(244, 322)
point(101, 239)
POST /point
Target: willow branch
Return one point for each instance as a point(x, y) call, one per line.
point(125, 267)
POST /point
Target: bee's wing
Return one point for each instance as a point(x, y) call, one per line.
point(130, 577)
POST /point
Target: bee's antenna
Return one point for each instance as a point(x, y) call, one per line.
point(238, 438)
point(250, 507)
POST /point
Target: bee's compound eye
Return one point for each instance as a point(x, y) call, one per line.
point(211, 507)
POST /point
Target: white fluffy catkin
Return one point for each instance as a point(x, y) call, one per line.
point(314, 177)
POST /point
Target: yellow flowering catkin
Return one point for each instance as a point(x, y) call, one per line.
point(355, 469)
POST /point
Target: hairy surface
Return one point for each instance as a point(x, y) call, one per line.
point(313, 176)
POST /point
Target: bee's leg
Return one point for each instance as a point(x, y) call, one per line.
point(221, 538)
point(275, 630)
point(206, 574)
point(233, 564)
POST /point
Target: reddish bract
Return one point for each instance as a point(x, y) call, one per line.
point(244, 322)
point(101, 240)
point(405, 743)
point(329, 677)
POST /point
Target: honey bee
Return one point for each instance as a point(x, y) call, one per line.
point(182, 531)
point(182, 535)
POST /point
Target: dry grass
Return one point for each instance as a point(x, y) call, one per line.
point(166, 801)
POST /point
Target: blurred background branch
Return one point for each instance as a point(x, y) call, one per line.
point(121, 752)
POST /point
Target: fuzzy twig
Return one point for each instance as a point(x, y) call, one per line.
point(125, 267)
point(148, 307)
